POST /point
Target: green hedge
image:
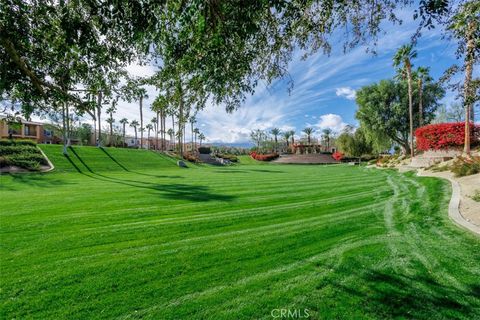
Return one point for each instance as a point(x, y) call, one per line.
point(15, 142)
point(21, 153)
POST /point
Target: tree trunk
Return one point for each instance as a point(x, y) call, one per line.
point(156, 131)
point(410, 105)
point(123, 143)
point(64, 129)
point(173, 131)
point(99, 112)
point(468, 96)
point(191, 126)
point(141, 122)
point(420, 102)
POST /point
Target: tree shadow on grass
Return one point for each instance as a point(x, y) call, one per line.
point(170, 191)
point(128, 170)
point(410, 297)
point(35, 180)
point(265, 170)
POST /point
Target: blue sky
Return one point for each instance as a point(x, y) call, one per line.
point(323, 95)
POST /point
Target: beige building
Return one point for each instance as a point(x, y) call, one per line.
point(25, 130)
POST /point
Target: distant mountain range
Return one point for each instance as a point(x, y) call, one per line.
point(236, 145)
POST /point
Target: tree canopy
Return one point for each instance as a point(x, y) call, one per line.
point(213, 49)
point(383, 110)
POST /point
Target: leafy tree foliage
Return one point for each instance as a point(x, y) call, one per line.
point(204, 49)
point(383, 110)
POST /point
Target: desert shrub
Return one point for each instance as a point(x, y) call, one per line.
point(445, 135)
point(204, 150)
point(465, 167)
point(264, 157)
point(476, 195)
point(337, 156)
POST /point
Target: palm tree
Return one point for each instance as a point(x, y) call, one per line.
point(171, 133)
point(134, 124)
point(142, 93)
point(124, 122)
point(192, 121)
point(326, 135)
point(465, 27)
point(403, 57)
point(275, 132)
point(110, 120)
point(292, 135)
point(286, 136)
point(201, 137)
point(154, 123)
point(423, 76)
point(196, 131)
point(149, 127)
point(308, 132)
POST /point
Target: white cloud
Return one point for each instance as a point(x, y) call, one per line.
point(330, 121)
point(346, 92)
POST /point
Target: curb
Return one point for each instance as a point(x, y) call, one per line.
point(454, 205)
point(48, 160)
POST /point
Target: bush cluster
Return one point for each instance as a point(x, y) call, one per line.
point(465, 167)
point(263, 157)
point(445, 135)
point(230, 157)
point(204, 150)
point(337, 156)
point(21, 153)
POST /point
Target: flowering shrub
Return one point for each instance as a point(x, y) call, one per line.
point(263, 157)
point(337, 156)
point(445, 135)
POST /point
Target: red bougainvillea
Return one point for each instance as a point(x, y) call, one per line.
point(337, 156)
point(263, 157)
point(445, 135)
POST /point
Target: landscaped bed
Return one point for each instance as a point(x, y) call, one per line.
point(16, 155)
point(125, 234)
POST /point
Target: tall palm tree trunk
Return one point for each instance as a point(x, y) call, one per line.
point(141, 122)
point(123, 142)
point(173, 130)
point(156, 131)
point(99, 112)
point(410, 105)
point(420, 102)
point(469, 59)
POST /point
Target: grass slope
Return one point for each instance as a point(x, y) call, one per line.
point(136, 237)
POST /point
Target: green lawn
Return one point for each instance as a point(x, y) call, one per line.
point(127, 235)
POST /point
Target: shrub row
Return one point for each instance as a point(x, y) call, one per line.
point(445, 135)
point(14, 142)
point(21, 153)
point(264, 157)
